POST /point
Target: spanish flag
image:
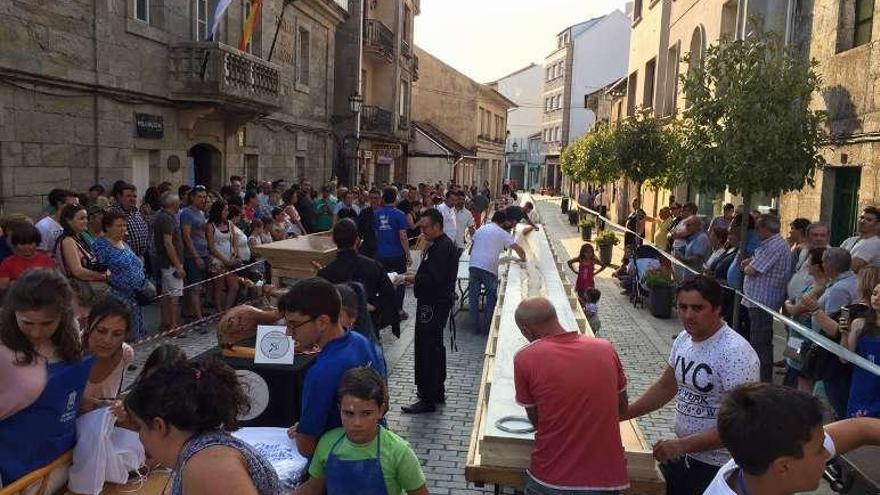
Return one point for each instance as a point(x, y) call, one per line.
point(250, 24)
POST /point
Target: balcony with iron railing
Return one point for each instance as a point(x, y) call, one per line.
point(376, 120)
point(212, 72)
point(379, 39)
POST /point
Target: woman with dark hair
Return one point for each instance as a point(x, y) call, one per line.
point(251, 201)
point(223, 246)
point(42, 373)
point(23, 239)
point(104, 338)
point(126, 269)
point(76, 259)
point(184, 414)
point(295, 225)
point(797, 310)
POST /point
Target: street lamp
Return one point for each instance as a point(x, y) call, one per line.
point(356, 101)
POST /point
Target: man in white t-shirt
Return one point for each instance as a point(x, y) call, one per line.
point(50, 226)
point(708, 360)
point(865, 247)
point(447, 209)
point(489, 242)
point(793, 446)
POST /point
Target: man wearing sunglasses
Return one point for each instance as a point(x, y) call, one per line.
point(311, 309)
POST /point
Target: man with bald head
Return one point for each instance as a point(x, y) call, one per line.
point(574, 390)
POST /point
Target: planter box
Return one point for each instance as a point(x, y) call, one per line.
point(572, 217)
point(587, 233)
point(660, 301)
point(564, 205)
point(605, 252)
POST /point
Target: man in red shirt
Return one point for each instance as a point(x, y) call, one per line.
point(574, 390)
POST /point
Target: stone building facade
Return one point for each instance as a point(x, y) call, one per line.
point(839, 34)
point(472, 114)
point(94, 92)
point(381, 72)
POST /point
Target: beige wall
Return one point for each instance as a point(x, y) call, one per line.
point(649, 40)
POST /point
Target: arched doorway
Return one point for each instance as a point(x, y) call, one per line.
point(206, 169)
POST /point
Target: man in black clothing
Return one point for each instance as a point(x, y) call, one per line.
point(365, 225)
point(349, 266)
point(305, 206)
point(434, 287)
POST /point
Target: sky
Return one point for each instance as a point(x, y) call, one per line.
point(488, 39)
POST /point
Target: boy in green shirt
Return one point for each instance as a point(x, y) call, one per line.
point(363, 457)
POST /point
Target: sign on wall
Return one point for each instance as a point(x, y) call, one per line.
point(149, 126)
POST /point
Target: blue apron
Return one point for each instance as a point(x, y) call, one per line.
point(38, 434)
point(362, 477)
point(864, 397)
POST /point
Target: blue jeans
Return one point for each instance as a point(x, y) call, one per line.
point(478, 279)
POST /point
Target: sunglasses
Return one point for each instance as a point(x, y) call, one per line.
point(200, 189)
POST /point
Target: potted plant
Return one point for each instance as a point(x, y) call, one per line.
point(660, 283)
point(606, 242)
point(587, 225)
point(573, 216)
point(564, 204)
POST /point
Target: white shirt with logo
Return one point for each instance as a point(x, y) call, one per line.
point(720, 486)
point(705, 371)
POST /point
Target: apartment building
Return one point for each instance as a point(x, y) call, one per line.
point(134, 90)
point(588, 56)
point(375, 73)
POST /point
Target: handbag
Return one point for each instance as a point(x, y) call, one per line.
point(89, 291)
point(146, 294)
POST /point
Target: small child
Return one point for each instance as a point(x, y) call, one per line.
point(591, 308)
point(586, 271)
point(363, 456)
point(258, 237)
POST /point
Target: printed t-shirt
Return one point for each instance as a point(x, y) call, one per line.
point(719, 485)
point(388, 221)
point(14, 266)
point(320, 410)
point(195, 219)
point(400, 466)
point(489, 242)
point(574, 381)
point(706, 371)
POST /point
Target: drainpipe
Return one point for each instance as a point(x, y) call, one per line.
point(95, 99)
point(358, 89)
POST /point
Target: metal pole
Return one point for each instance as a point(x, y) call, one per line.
point(359, 89)
point(277, 29)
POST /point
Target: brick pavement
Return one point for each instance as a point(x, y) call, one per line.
point(641, 340)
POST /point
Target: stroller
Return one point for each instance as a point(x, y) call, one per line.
point(644, 258)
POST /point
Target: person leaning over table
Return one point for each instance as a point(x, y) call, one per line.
point(573, 389)
point(311, 309)
point(184, 414)
point(42, 373)
point(708, 359)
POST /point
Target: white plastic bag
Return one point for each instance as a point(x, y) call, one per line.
point(277, 448)
point(87, 473)
point(102, 453)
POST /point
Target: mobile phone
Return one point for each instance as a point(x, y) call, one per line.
point(843, 321)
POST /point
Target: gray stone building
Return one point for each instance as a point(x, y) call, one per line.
point(93, 92)
point(380, 71)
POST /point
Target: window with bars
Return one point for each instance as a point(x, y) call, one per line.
point(864, 22)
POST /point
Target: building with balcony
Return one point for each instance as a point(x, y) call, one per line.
point(375, 61)
point(588, 56)
point(134, 90)
point(471, 114)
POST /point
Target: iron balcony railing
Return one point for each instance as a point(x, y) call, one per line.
point(375, 119)
point(379, 39)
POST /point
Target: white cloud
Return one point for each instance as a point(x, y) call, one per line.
point(487, 39)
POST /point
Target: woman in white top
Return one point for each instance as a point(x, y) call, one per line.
point(104, 338)
point(223, 246)
point(241, 240)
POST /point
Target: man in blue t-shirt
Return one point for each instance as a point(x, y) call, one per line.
point(311, 309)
point(195, 246)
point(392, 245)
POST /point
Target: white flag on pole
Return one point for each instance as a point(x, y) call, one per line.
point(219, 10)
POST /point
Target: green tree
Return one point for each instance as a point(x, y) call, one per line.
point(648, 150)
point(748, 126)
point(592, 157)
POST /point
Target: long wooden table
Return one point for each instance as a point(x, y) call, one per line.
point(500, 458)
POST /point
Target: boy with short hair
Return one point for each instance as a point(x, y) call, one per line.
point(793, 448)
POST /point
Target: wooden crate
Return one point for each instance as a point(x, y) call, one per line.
point(295, 258)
